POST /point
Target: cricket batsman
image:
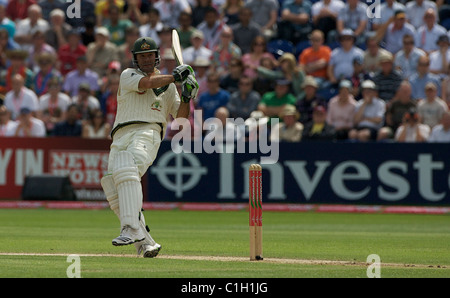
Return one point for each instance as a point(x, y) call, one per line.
point(144, 100)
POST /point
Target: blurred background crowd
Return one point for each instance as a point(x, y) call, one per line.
point(327, 69)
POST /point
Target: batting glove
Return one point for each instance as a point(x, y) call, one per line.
point(181, 72)
point(189, 89)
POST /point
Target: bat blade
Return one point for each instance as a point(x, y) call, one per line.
point(176, 48)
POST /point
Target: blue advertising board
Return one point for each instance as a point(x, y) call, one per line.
point(315, 173)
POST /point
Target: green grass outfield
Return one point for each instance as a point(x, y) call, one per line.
point(213, 244)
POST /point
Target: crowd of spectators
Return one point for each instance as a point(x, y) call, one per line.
point(350, 76)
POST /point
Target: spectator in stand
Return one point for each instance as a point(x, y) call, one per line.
point(79, 75)
point(392, 32)
point(428, 34)
point(96, 127)
point(289, 71)
point(87, 30)
point(152, 26)
point(116, 26)
point(167, 62)
point(245, 30)
point(407, 59)
point(231, 81)
point(71, 126)
point(341, 110)
point(55, 36)
point(20, 97)
point(416, 9)
point(432, 108)
point(252, 60)
point(369, 114)
point(341, 60)
point(6, 43)
point(124, 51)
point(114, 69)
point(289, 129)
point(211, 27)
point(101, 52)
point(439, 60)
point(199, 10)
point(412, 130)
point(185, 30)
point(387, 10)
point(353, 16)
point(53, 105)
point(314, 60)
point(136, 11)
point(317, 129)
point(445, 88)
point(441, 132)
point(265, 14)
point(5, 22)
point(170, 10)
point(29, 126)
point(102, 9)
point(197, 50)
point(7, 126)
point(243, 101)
point(423, 76)
point(39, 47)
point(272, 103)
point(165, 43)
point(229, 11)
point(3, 49)
point(47, 71)
point(224, 52)
point(108, 100)
point(324, 15)
point(372, 55)
point(400, 104)
point(306, 104)
point(85, 101)
point(262, 83)
point(213, 98)
point(17, 10)
point(201, 66)
point(69, 53)
point(388, 79)
point(17, 66)
point(28, 26)
point(295, 24)
point(359, 76)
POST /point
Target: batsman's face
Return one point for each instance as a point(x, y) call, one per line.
point(146, 61)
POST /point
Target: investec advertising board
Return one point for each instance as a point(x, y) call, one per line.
point(372, 173)
point(375, 173)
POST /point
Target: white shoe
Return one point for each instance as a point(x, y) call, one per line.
point(128, 235)
point(149, 251)
point(148, 247)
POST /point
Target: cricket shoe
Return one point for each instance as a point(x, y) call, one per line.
point(148, 251)
point(128, 235)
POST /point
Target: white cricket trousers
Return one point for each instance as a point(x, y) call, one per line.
point(141, 140)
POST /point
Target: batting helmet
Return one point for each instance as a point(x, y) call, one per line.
point(145, 45)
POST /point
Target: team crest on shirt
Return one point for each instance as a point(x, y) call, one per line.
point(156, 106)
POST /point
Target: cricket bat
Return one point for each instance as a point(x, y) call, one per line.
point(176, 48)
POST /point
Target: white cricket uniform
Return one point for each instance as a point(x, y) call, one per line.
point(141, 119)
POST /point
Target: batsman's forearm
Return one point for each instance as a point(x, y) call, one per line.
point(155, 81)
point(184, 110)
